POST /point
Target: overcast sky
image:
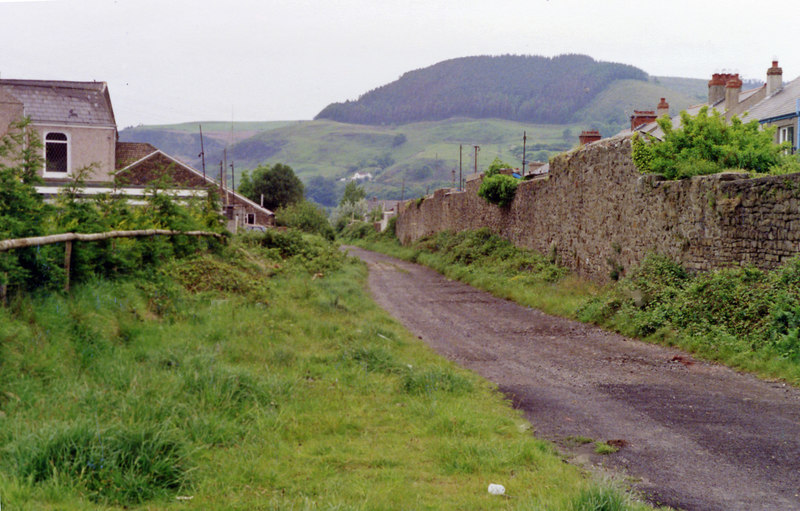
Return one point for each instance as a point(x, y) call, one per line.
point(173, 61)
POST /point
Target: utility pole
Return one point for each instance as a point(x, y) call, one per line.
point(233, 178)
point(222, 184)
point(524, 141)
point(477, 148)
point(225, 173)
point(460, 166)
point(403, 190)
point(202, 153)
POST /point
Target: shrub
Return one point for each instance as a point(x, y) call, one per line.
point(305, 216)
point(706, 144)
point(498, 189)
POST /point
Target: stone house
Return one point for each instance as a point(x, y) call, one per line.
point(76, 125)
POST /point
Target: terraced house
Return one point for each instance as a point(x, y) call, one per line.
point(75, 122)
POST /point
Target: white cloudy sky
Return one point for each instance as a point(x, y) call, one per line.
point(172, 61)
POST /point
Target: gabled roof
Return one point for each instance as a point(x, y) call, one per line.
point(157, 154)
point(61, 102)
point(130, 152)
point(781, 103)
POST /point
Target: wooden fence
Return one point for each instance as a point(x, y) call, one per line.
point(68, 237)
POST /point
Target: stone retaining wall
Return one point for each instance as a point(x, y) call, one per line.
point(596, 211)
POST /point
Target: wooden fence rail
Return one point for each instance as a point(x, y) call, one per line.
point(68, 237)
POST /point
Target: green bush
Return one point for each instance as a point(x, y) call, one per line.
point(707, 144)
point(498, 189)
point(307, 217)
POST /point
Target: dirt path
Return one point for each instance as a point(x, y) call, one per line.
point(695, 435)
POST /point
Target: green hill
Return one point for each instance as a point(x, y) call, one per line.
point(408, 159)
point(614, 106)
point(515, 87)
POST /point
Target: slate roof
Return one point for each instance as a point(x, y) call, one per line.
point(131, 152)
point(61, 102)
point(782, 102)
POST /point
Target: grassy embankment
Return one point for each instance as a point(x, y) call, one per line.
point(260, 378)
point(743, 317)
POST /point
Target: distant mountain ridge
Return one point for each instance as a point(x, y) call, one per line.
point(515, 87)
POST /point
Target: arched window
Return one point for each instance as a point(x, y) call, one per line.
point(56, 153)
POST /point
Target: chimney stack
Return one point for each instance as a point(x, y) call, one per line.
point(716, 87)
point(589, 136)
point(774, 78)
point(640, 117)
point(732, 89)
point(663, 108)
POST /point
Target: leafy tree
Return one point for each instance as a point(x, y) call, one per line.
point(495, 167)
point(305, 216)
point(23, 213)
point(321, 190)
point(398, 140)
point(706, 144)
point(348, 212)
point(352, 193)
point(278, 183)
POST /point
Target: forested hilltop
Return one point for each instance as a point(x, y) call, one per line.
point(521, 88)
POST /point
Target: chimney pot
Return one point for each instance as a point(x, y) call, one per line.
point(774, 78)
point(663, 108)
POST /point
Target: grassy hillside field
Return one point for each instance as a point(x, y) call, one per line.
point(259, 377)
point(409, 159)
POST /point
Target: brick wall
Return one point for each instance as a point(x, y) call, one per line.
point(595, 207)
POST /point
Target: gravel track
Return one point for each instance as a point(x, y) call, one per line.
point(694, 435)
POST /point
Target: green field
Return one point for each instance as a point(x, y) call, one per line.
point(411, 159)
point(261, 377)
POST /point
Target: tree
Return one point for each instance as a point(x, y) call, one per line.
point(278, 183)
point(496, 166)
point(352, 193)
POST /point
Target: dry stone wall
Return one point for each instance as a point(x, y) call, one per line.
point(595, 211)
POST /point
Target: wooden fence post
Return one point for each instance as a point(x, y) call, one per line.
point(3, 291)
point(67, 259)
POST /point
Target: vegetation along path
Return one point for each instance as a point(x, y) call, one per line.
point(691, 434)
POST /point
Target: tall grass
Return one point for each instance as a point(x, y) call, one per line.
point(252, 380)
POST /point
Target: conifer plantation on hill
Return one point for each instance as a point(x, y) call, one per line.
point(514, 87)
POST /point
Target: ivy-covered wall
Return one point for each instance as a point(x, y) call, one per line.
point(597, 213)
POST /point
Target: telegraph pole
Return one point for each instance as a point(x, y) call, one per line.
point(233, 178)
point(202, 153)
point(524, 140)
point(477, 148)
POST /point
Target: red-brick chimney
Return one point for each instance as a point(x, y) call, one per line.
point(640, 117)
point(716, 87)
point(774, 78)
point(589, 136)
point(663, 108)
point(732, 89)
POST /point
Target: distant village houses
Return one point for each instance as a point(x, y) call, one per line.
point(771, 104)
point(75, 122)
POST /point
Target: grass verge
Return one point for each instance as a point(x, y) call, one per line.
point(263, 377)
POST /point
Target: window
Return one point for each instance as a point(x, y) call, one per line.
point(251, 218)
point(56, 153)
point(786, 134)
